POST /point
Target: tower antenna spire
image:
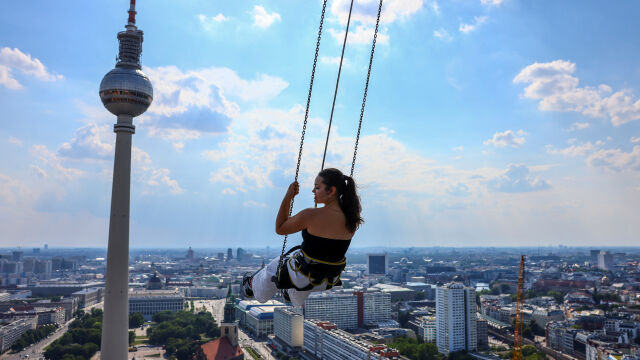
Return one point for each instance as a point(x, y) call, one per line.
point(132, 15)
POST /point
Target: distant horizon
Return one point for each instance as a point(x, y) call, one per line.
point(350, 248)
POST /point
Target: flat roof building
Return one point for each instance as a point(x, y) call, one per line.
point(148, 303)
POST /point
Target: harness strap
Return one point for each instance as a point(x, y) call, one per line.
point(305, 265)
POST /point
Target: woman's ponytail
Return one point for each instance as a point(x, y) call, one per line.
point(347, 196)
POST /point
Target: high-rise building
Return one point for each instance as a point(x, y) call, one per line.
point(594, 257)
point(287, 326)
point(17, 255)
point(375, 308)
point(427, 329)
point(456, 327)
point(126, 92)
point(605, 260)
point(340, 309)
point(482, 334)
point(229, 254)
point(240, 254)
point(377, 264)
point(190, 254)
point(220, 256)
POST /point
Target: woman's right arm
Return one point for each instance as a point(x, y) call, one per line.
point(284, 223)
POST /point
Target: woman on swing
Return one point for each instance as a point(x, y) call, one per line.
point(326, 236)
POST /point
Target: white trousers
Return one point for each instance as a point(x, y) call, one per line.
point(264, 289)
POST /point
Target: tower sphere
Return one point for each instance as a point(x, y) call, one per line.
point(126, 91)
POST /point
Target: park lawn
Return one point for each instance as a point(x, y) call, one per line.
point(140, 340)
point(252, 352)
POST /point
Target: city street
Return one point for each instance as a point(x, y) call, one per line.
point(35, 351)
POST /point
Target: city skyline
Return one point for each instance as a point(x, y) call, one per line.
point(491, 123)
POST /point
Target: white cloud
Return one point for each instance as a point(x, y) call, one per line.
point(188, 104)
point(435, 7)
point(178, 146)
point(477, 20)
point(15, 141)
point(491, 2)
point(557, 89)
point(579, 126)
point(459, 148)
point(254, 204)
point(262, 18)
point(616, 159)
point(334, 60)
point(209, 22)
point(228, 191)
point(39, 172)
point(174, 134)
point(13, 191)
point(574, 149)
point(635, 139)
point(366, 11)
point(517, 178)
point(442, 34)
point(362, 35)
point(507, 138)
point(162, 177)
point(15, 60)
point(146, 173)
point(91, 141)
point(53, 161)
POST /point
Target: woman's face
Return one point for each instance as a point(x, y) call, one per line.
point(320, 192)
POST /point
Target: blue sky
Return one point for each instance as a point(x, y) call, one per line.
point(488, 122)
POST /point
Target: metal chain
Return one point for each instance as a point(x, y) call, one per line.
point(366, 88)
point(304, 126)
point(335, 93)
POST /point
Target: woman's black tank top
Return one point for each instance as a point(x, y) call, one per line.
point(330, 250)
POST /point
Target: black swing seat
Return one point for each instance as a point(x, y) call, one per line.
point(317, 271)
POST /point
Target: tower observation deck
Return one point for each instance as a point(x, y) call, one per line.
point(126, 92)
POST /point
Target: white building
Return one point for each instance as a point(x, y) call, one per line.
point(605, 260)
point(455, 318)
point(259, 320)
point(11, 332)
point(287, 326)
point(148, 303)
point(376, 307)
point(427, 329)
point(326, 342)
point(340, 309)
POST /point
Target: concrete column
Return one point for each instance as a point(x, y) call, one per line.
point(115, 321)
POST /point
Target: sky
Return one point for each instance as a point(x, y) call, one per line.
point(487, 123)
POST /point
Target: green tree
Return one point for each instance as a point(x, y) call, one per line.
point(135, 320)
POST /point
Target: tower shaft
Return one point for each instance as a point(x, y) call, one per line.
point(115, 323)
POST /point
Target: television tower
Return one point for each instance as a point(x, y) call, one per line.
point(126, 92)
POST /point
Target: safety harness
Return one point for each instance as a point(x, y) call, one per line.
point(317, 271)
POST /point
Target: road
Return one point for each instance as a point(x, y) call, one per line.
point(35, 350)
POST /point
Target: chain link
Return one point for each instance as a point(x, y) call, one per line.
point(304, 127)
point(335, 93)
point(366, 88)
